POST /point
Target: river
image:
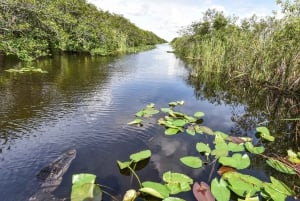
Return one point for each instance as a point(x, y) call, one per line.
point(85, 103)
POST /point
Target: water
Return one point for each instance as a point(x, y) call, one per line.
point(85, 103)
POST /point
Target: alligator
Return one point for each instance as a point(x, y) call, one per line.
point(51, 177)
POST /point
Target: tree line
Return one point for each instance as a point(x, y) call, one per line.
point(33, 28)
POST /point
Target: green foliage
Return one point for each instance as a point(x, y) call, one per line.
point(31, 29)
point(255, 49)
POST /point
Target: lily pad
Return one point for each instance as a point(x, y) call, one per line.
point(142, 155)
point(177, 182)
point(265, 133)
point(201, 147)
point(279, 166)
point(155, 189)
point(191, 161)
point(220, 190)
point(254, 150)
point(199, 114)
point(237, 161)
point(172, 131)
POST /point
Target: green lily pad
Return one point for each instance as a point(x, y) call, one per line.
point(190, 130)
point(171, 131)
point(254, 150)
point(179, 122)
point(279, 166)
point(235, 147)
point(173, 199)
point(277, 190)
point(191, 161)
point(237, 161)
point(220, 190)
point(123, 165)
point(135, 122)
point(201, 147)
point(199, 114)
point(155, 189)
point(142, 155)
point(241, 184)
point(177, 182)
point(265, 133)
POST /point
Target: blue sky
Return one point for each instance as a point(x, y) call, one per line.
point(166, 17)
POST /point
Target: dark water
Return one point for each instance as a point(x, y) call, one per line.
point(86, 102)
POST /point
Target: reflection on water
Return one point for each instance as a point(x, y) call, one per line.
point(85, 103)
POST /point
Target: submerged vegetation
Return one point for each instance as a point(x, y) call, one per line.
point(33, 28)
point(230, 156)
point(257, 50)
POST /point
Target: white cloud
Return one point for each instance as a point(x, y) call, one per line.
point(166, 17)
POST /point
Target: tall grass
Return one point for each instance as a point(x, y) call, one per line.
point(264, 50)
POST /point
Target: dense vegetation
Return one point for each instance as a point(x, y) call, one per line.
point(33, 28)
point(264, 50)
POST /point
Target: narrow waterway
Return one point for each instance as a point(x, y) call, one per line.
point(85, 103)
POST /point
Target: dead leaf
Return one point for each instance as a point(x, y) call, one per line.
point(202, 192)
point(225, 169)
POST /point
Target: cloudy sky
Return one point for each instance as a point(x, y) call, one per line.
point(166, 17)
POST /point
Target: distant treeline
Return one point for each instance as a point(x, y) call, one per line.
point(33, 28)
point(264, 50)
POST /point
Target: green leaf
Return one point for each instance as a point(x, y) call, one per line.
point(281, 187)
point(191, 161)
point(242, 184)
point(79, 179)
point(190, 130)
point(171, 131)
point(173, 199)
point(166, 110)
point(179, 122)
point(139, 113)
point(248, 198)
point(155, 189)
point(220, 190)
point(177, 182)
point(236, 161)
point(142, 155)
point(124, 165)
point(199, 114)
point(201, 147)
point(87, 191)
point(265, 133)
point(293, 157)
point(136, 121)
point(206, 130)
point(279, 166)
point(190, 119)
point(235, 147)
point(254, 150)
point(84, 188)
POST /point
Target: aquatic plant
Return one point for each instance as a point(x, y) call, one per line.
point(231, 152)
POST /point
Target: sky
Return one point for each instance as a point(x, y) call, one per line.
point(166, 17)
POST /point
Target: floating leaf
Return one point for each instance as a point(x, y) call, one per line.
point(191, 130)
point(155, 189)
point(177, 182)
point(235, 147)
point(242, 184)
point(83, 188)
point(220, 150)
point(191, 161)
point(223, 169)
point(199, 114)
point(179, 122)
point(166, 110)
point(220, 190)
point(139, 113)
point(279, 166)
point(221, 134)
point(249, 198)
point(277, 190)
point(201, 147)
point(171, 131)
point(239, 140)
point(142, 155)
point(173, 199)
point(293, 157)
point(265, 134)
point(206, 130)
point(237, 161)
point(79, 179)
point(124, 165)
point(202, 192)
point(254, 150)
point(135, 122)
point(190, 119)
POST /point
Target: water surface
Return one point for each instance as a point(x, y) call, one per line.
point(86, 102)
